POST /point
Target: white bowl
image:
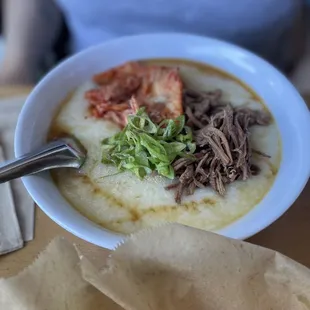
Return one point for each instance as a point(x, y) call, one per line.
point(286, 105)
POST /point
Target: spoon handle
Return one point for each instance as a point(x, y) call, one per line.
point(57, 154)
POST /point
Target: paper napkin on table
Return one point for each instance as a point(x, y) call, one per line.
point(172, 267)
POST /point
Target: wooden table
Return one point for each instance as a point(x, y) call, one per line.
point(288, 235)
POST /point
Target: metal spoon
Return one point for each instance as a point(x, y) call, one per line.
point(64, 153)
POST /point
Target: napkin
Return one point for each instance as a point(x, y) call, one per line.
point(22, 203)
point(10, 235)
point(171, 267)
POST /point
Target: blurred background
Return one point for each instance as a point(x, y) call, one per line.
point(1, 32)
point(37, 34)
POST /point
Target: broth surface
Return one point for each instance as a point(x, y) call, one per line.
point(123, 203)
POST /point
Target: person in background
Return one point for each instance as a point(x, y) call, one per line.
point(1, 32)
point(32, 27)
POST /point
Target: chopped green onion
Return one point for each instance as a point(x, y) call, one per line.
point(143, 146)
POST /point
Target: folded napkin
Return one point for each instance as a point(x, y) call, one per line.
point(10, 235)
point(172, 267)
point(22, 206)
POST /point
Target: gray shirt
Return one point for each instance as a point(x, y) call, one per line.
point(259, 25)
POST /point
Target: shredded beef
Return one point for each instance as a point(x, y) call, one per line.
point(223, 152)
